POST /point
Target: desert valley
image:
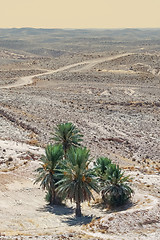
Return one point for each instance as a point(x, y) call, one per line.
point(107, 83)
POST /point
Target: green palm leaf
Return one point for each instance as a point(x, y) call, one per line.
point(116, 190)
point(48, 172)
point(78, 180)
point(67, 135)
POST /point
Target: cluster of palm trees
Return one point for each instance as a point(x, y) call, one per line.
point(66, 172)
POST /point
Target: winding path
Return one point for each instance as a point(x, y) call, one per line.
point(23, 81)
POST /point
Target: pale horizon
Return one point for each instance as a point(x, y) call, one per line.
point(84, 14)
point(49, 28)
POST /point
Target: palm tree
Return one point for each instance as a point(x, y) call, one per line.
point(100, 167)
point(78, 180)
point(116, 188)
point(67, 135)
point(47, 173)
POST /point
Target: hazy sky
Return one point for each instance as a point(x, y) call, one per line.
point(80, 13)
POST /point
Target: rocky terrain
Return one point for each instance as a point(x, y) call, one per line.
point(110, 89)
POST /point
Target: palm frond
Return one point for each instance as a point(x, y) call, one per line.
point(48, 172)
point(78, 180)
point(67, 135)
point(116, 190)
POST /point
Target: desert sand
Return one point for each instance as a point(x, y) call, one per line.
point(110, 90)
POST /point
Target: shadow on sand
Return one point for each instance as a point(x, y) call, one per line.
point(73, 221)
point(105, 209)
point(57, 209)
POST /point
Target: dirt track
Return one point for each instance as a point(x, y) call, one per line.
point(89, 64)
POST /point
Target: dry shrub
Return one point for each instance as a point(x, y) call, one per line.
point(33, 142)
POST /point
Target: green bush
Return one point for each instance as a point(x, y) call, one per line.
point(65, 173)
point(116, 190)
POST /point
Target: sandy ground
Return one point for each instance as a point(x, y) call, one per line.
point(24, 212)
point(114, 101)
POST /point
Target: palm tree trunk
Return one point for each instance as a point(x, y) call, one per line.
point(52, 197)
point(78, 209)
point(103, 196)
point(65, 152)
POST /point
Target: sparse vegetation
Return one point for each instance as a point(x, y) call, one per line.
point(48, 172)
point(66, 172)
point(114, 107)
